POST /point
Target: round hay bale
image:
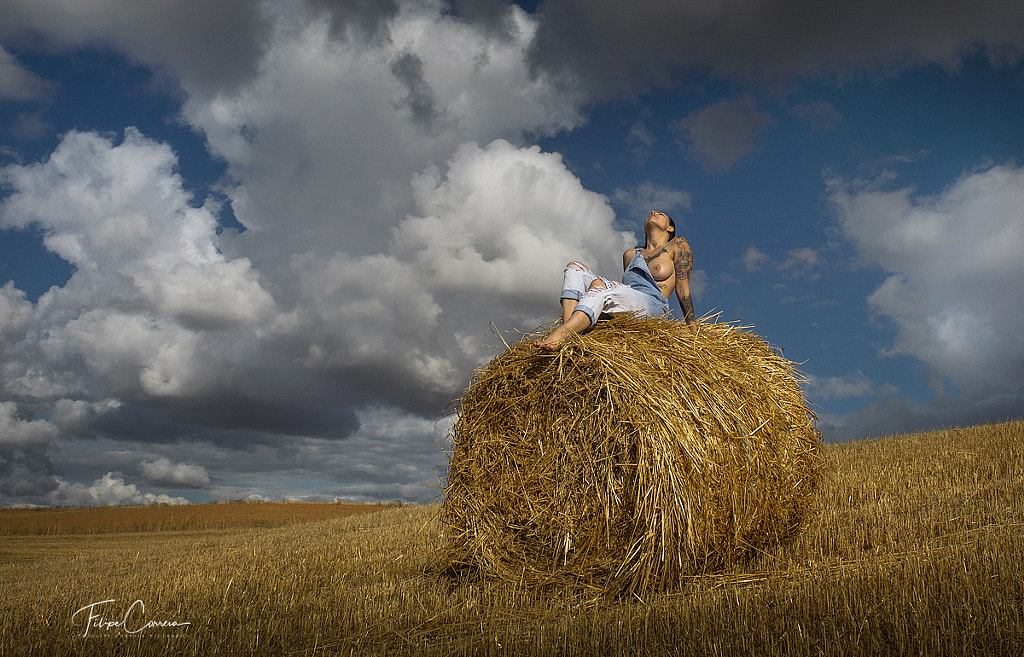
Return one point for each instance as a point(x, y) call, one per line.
point(639, 454)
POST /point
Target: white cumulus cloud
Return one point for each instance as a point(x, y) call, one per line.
point(108, 490)
point(149, 279)
point(488, 242)
point(955, 272)
point(17, 432)
point(824, 388)
point(163, 472)
point(15, 314)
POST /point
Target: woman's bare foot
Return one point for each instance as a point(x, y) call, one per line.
point(578, 321)
point(553, 340)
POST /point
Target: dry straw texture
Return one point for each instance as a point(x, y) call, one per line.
point(637, 456)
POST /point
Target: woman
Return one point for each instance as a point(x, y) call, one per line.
point(651, 272)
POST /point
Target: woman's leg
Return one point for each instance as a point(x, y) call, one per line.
point(603, 297)
point(569, 305)
point(575, 321)
point(576, 280)
point(578, 321)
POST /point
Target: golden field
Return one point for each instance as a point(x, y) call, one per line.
point(125, 519)
point(916, 546)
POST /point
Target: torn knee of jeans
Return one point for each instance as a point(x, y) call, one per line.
point(578, 266)
point(597, 287)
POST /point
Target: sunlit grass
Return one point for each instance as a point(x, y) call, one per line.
point(915, 548)
point(124, 519)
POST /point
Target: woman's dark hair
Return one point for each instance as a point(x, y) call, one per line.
point(672, 229)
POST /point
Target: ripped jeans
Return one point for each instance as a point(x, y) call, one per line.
point(612, 297)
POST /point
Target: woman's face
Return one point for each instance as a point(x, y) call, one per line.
point(658, 220)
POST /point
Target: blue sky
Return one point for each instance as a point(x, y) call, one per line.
point(254, 249)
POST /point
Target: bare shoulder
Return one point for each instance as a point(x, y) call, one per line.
point(681, 246)
point(683, 257)
point(627, 256)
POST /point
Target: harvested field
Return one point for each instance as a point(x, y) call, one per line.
point(914, 546)
point(186, 517)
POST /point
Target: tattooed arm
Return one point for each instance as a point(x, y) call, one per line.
point(683, 269)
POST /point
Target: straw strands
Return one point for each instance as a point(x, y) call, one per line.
point(638, 455)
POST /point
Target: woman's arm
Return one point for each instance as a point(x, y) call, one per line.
point(627, 257)
point(683, 268)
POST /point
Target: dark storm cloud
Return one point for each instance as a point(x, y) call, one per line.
point(609, 48)
point(25, 474)
point(213, 45)
point(357, 20)
point(223, 419)
point(896, 415)
point(373, 384)
point(420, 100)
